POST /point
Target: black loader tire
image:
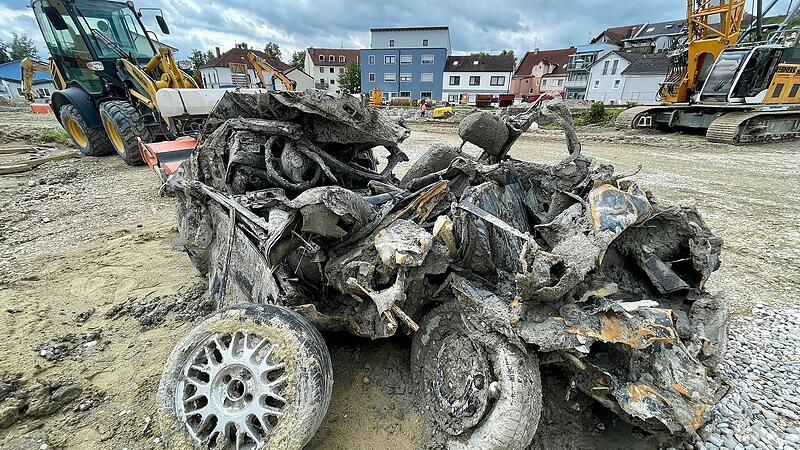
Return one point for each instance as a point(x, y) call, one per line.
point(123, 124)
point(236, 332)
point(90, 142)
point(498, 413)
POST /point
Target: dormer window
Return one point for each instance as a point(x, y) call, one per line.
point(341, 58)
point(322, 57)
point(475, 63)
point(391, 42)
point(424, 42)
point(455, 63)
point(331, 58)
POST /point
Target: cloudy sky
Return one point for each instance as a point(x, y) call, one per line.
point(475, 25)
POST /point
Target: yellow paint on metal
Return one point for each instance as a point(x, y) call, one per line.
point(682, 390)
point(614, 330)
point(76, 133)
point(641, 392)
point(785, 85)
point(114, 136)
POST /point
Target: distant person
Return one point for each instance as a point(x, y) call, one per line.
point(423, 108)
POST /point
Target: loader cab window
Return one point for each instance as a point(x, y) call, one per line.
point(758, 72)
point(113, 26)
point(67, 45)
point(720, 80)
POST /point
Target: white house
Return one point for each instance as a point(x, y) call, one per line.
point(643, 78)
point(325, 65)
point(606, 82)
point(232, 69)
point(465, 77)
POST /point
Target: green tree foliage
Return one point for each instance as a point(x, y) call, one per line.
point(4, 58)
point(509, 53)
point(350, 78)
point(272, 49)
point(200, 58)
point(479, 54)
point(242, 45)
point(596, 113)
point(299, 59)
point(22, 46)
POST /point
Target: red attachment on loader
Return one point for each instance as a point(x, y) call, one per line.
point(165, 157)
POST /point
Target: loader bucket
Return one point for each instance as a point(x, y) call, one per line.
point(165, 157)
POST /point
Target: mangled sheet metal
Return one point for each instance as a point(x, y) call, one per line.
point(570, 261)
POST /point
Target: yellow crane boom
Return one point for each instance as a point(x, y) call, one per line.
point(261, 66)
point(29, 67)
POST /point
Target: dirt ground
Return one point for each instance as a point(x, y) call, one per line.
point(93, 294)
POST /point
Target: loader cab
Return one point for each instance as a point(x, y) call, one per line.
point(86, 38)
point(743, 75)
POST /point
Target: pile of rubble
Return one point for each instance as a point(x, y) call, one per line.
point(496, 267)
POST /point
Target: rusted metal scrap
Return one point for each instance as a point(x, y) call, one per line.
point(284, 202)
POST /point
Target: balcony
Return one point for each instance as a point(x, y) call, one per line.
point(575, 84)
point(581, 66)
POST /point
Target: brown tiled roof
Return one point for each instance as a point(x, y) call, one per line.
point(349, 55)
point(559, 58)
point(617, 34)
point(239, 55)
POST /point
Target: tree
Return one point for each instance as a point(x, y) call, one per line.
point(350, 78)
point(242, 45)
point(299, 59)
point(22, 46)
point(509, 53)
point(4, 58)
point(273, 50)
point(199, 59)
point(480, 54)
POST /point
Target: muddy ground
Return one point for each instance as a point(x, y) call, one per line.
point(93, 294)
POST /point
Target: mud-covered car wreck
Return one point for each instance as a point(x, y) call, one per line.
point(495, 266)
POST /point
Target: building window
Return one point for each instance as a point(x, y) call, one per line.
point(391, 42)
point(322, 57)
point(557, 82)
point(597, 84)
point(389, 77)
point(426, 77)
point(455, 63)
point(330, 69)
point(452, 98)
point(544, 82)
point(605, 67)
point(389, 59)
point(616, 84)
point(372, 78)
point(331, 58)
point(405, 94)
point(475, 81)
point(333, 81)
point(497, 81)
point(405, 59)
point(427, 59)
point(371, 59)
point(424, 42)
point(614, 67)
point(405, 78)
point(455, 81)
point(425, 94)
point(321, 70)
point(341, 58)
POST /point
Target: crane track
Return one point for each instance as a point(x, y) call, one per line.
point(728, 129)
point(625, 119)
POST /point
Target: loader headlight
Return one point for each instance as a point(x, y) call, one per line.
point(97, 66)
point(184, 65)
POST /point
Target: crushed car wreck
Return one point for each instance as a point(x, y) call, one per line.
point(495, 266)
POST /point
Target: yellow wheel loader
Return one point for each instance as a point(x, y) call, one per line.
point(117, 85)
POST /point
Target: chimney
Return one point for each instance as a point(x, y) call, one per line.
point(536, 50)
point(218, 53)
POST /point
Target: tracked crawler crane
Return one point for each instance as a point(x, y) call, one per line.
point(739, 86)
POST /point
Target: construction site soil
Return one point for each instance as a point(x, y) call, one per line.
point(94, 294)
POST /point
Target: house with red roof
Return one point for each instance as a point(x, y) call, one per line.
point(232, 69)
point(541, 71)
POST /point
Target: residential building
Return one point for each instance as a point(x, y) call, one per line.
point(465, 77)
point(536, 66)
point(606, 82)
point(657, 37)
point(643, 78)
point(616, 35)
point(578, 67)
point(405, 62)
point(11, 83)
point(232, 69)
point(325, 65)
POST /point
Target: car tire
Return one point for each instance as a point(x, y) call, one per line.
point(258, 373)
point(123, 124)
point(90, 142)
point(478, 391)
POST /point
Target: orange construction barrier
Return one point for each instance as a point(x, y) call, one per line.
point(41, 108)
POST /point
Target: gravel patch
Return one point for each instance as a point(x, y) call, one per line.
point(762, 409)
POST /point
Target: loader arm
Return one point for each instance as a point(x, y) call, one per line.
point(261, 66)
point(160, 72)
point(29, 67)
point(706, 39)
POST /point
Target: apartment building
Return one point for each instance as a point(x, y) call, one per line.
point(466, 77)
point(325, 65)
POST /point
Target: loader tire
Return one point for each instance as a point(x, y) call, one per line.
point(123, 124)
point(248, 376)
point(90, 142)
point(479, 391)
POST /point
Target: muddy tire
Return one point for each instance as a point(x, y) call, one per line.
point(257, 373)
point(123, 124)
point(478, 390)
point(90, 142)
